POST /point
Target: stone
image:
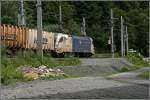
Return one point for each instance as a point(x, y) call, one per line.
point(42, 71)
point(43, 67)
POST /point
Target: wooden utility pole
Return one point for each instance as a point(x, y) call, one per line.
point(39, 28)
point(122, 38)
point(127, 45)
point(112, 34)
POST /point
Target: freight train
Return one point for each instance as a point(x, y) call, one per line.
point(58, 44)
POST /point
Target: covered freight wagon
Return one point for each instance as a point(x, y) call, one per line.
point(13, 36)
point(31, 39)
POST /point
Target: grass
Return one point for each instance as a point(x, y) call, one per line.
point(137, 62)
point(104, 55)
point(10, 74)
point(144, 75)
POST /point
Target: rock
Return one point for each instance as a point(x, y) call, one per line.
point(42, 67)
point(58, 70)
point(51, 70)
point(42, 71)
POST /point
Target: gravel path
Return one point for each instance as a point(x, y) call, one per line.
point(85, 87)
point(132, 76)
point(97, 67)
point(118, 62)
point(88, 87)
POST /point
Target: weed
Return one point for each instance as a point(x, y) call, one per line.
point(144, 75)
point(136, 60)
point(9, 74)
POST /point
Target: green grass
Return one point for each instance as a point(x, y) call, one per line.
point(137, 62)
point(136, 59)
point(10, 74)
point(144, 75)
point(105, 55)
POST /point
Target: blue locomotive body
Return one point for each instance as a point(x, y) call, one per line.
point(81, 44)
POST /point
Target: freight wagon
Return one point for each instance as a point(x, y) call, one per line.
point(14, 37)
point(58, 44)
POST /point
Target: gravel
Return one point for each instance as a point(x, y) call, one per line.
point(87, 70)
point(118, 62)
point(77, 88)
point(97, 67)
point(85, 87)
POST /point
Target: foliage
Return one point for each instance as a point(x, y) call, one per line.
point(124, 69)
point(145, 75)
point(105, 55)
point(97, 15)
point(34, 60)
point(10, 74)
point(136, 60)
point(52, 28)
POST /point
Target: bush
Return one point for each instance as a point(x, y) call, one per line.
point(124, 69)
point(145, 75)
point(136, 59)
point(9, 74)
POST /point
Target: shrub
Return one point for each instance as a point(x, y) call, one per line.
point(136, 60)
point(145, 75)
point(124, 69)
point(10, 75)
